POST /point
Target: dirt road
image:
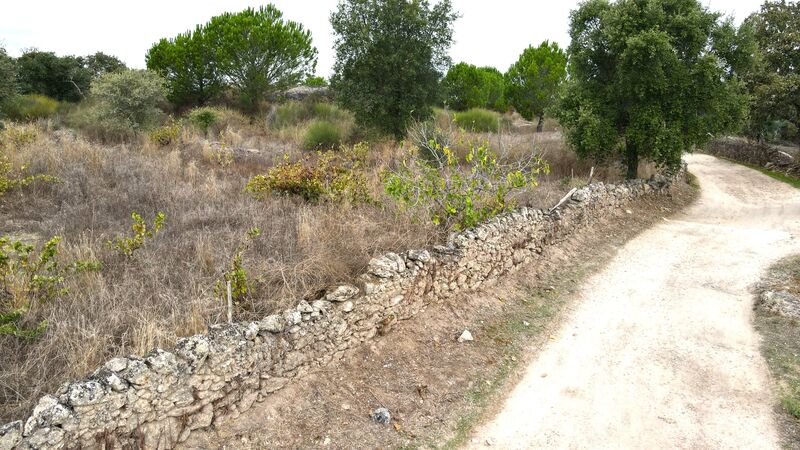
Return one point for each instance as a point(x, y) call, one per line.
point(659, 352)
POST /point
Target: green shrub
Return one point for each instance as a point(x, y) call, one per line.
point(478, 120)
point(203, 118)
point(333, 176)
point(31, 107)
point(140, 233)
point(29, 277)
point(167, 134)
point(322, 135)
point(460, 193)
point(130, 98)
point(88, 118)
point(236, 274)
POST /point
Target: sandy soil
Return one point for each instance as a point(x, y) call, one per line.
point(660, 351)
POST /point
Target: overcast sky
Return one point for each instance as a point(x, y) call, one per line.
point(489, 32)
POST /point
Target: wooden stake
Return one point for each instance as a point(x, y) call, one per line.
point(563, 200)
point(230, 303)
point(591, 175)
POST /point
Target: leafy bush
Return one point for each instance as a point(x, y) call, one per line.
point(29, 277)
point(460, 193)
point(479, 120)
point(8, 78)
point(203, 118)
point(333, 176)
point(167, 134)
point(290, 178)
point(128, 245)
point(316, 81)
point(322, 135)
point(30, 107)
point(236, 274)
point(130, 98)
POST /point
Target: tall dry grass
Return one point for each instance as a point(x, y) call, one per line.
point(166, 290)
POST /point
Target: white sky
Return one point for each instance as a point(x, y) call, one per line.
point(489, 32)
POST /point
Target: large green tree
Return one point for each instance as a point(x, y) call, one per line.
point(258, 52)
point(775, 80)
point(647, 81)
point(189, 64)
point(533, 81)
point(390, 55)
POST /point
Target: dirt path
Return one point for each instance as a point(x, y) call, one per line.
point(659, 351)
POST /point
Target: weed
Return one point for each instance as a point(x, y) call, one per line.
point(126, 246)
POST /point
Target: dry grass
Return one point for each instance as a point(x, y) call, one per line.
point(166, 289)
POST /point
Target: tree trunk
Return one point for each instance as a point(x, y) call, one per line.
point(631, 161)
point(540, 125)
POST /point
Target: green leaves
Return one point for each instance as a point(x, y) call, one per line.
point(532, 82)
point(774, 81)
point(389, 59)
point(255, 51)
point(28, 277)
point(188, 63)
point(459, 192)
point(466, 86)
point(648, 80)
point(126, 246)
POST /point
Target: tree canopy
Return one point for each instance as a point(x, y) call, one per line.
point(775, 78)
point(64, 78)
point(8, 75)
point(258, 52)
point(647, 81)
point(533, 81)
point(390, 55)
point(254, 51)
point(466, 86)
point(189, 64)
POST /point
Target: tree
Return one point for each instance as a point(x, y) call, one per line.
point(463, 87)
point(533, 81)
point(62, 78)
point(390, 55)
point(466, 86)
point(495, 85)
point(775, 81)
point(8, 84)
point(258, 52)
point(189, 64)
point(647, 81)
point(100, 63)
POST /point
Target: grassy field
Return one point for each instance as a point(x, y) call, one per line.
point(169, 287)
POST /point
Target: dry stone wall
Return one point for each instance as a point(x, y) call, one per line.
point(157, 400)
